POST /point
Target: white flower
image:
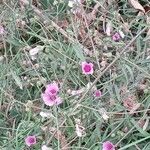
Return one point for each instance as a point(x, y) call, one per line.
point(80, 130)
point(44, 147)
point(1, 58)
point(72, 2)
point(45, 114)
point(121, 34)
point(33, 52)
point(109, 28)
point(103, 112)
point(76, 92)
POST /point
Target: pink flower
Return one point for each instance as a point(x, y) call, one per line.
point(52, 89)
point(97, 93)
point(30, 140)
point(51, 100)
point(87, 68)
point(108, 146)
point(116, 37)
point(50, 97)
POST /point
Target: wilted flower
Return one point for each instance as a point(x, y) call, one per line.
point(87, 68)
point(108, 146)
point(20, 23)
point(131, 104)
point(44, 147)
point(75, 6)
point(30, 140)
point(97, 93)
point(116, 37)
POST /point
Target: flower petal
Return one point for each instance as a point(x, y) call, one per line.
point(108, 146)
point(52, 89)
point(87, 68)
point(30, 140)
point(58, 100)
point(48, 100)
point(97, 93)
point(44, 147)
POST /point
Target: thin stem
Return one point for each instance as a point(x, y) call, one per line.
point(111, 64)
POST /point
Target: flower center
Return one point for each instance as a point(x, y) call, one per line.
point(109, 146)
point(97, 93)
point(116, 37)
point(31, 140)
point(53, 91)
point(87, 68)
point(52, 98)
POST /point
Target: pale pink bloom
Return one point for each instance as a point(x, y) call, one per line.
point(97, 93)
point(109, 28)
point(52, 89)
point(116, 37)
point(87, 68)
point(30, 140)
point(2, 30)
point(108, 146)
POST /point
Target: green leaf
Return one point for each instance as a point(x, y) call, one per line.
point(139, 128)
point(14, 41)
point(134, 143)
point(78, 51)
point(117, 92)
point(46, 3)
point(130, 71)
point(17, 79)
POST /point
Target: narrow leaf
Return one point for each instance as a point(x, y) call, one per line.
point(78, 51)
point(137, 5)
point(17, 79)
